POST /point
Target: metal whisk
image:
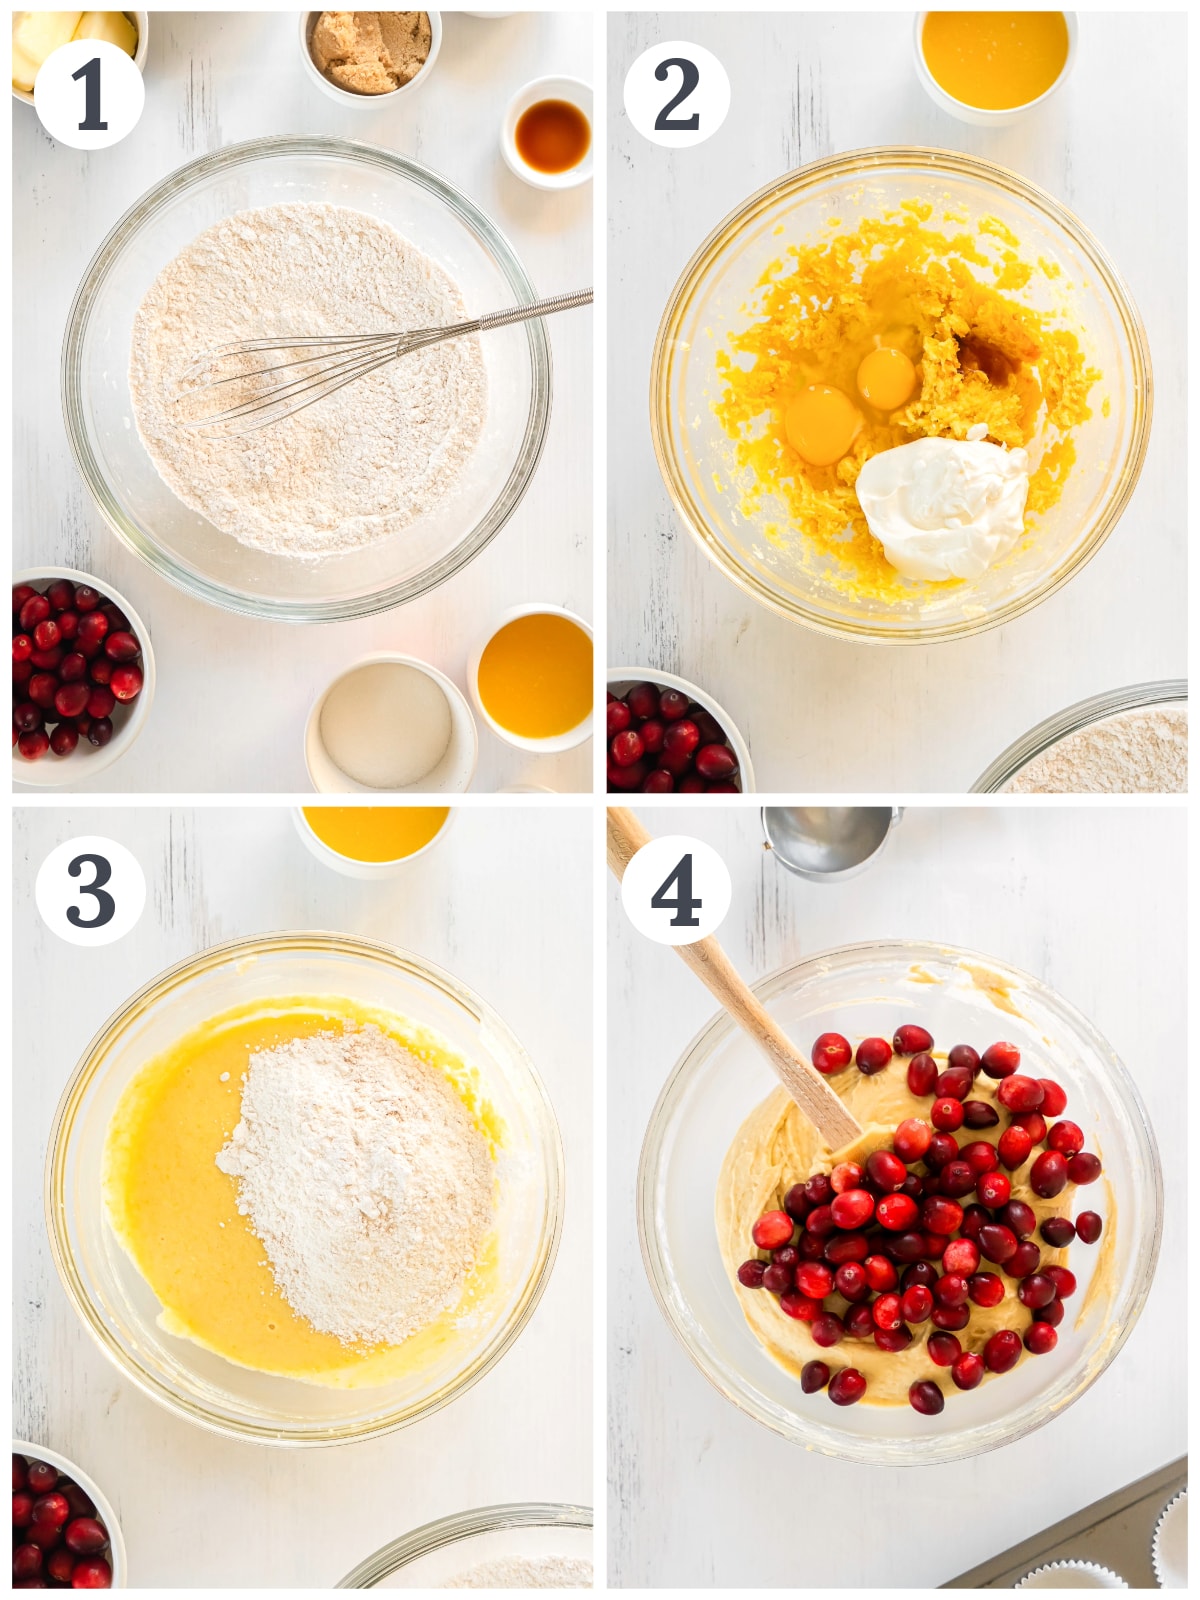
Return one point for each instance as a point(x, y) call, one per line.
point(271, 391)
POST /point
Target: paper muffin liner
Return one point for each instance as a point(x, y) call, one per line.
point(1168, 1548)
point(1071, 1575)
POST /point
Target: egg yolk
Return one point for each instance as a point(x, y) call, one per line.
point(886, 378)
point(821, 424)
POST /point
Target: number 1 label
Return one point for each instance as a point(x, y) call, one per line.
point(89, 94)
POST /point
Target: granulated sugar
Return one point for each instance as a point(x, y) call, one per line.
point(1135, 752)
point(366, 1180)
point(363, 463)
point(526, 1572)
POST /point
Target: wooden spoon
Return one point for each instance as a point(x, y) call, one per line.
point(712, 966)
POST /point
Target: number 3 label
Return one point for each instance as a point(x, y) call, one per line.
point(676, 890)
point(89, 94)
point(677, 94)
point(90, 891)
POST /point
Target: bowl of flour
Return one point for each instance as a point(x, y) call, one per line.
point(379, 492)
point(1128, 741)
point(522, 1546)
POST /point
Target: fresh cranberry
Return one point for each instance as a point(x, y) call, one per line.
point(941, 1215)
point(26, 1562)
point(847, 1386)
point(1020, 1218)
point(22, 647)
point(1054, 1102)
point(1036, 1291)
point(1013, 1147)
point(1058, 1231)
point(715, 761)
point(778, 1278)
point(33, 746)
point(935, 1246)
point(1002, 1351)
point(122, 646)
point(659, 781)
point(1053, 1313)
point(897, 1212)
point(946, 1115)
point(893, 1340)
point(957, 1179)
point(881, 1273)
point(925, 1396)
point(872, 1056)
point(1019, 1094)
point(47, 634)
point(974, 1217)
point(27, 717)
point(819, 1189)
point(21, 673)
point(843, 1247)
point(21, 593)
point(814, 1375)
point(814, 1279)
point(672, 706)
point(997, 1243)
point(943, 1349)
point(1066, 1138)
point(951, 1319)
point(1026, 1258)
point(1034, 1124)
point(886, 1170)
point(794, 1304)
point(851, 1281)
point(1089, 1225)
point(831, 1053)
point(922, 1272)
point(72, 699)
point(954, 1084)
point(47, 660)
point(750, 1274)
point(44, 1534)
point(906, 1247)
point(85, 1536)
point(617, 718)
point(909, 1040)
point(772, 1230)
point(1084, 1167)
point(1064, 1280)
point(786, 1256)
point(796, 1202)
point(967, 1371)
point(993, 1189)
point(961, 1257)
point(653, 735)
point(846, 1175)
point(1000, 1060)
point(60, 1564)
point(1040, 1338)
point(827, 1330)
point(22, 1508)
point(642, 699)
point(854, 1208)
point(912, 1139)
point(681, 738)
point(986, 1289)
point(951, 1289)
point(36, 609)
point(1048, 1174)
point(980, 1156)
point(859, 1322)
point(978, 1114)
point(922, 1074)
point(61, 594)
point(943, 1148)
point(51, 1508)
point(886, 1311)
point(42, 1477)
point(95, 1573)
point(916, 1303)
point(626, 748)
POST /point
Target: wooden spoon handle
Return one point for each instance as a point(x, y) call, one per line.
point(712, 966)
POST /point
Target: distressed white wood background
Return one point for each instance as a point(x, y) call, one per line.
point(822, 715)
point(200, 1511)
point(233, 693)
point(1092, 901)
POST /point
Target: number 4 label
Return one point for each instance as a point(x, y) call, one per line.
point(677, 94)
point(90, 891)
point(676, 890)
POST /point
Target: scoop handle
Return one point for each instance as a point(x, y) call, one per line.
point(712, 966)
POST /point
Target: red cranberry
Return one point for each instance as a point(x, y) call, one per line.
point(778, 1278)
point(21, 592)
point(1020, 1218)
point(819, 1189)
point(95, 1573)
point(751, 1273)
point(1058, 1231)
point(51, 1508)
point(74, 668)
point(617, 718)
point(974, 1218)
point(854, 1208)
point(72, 699)
point(978, 1114)
point(916, 1303)
point(897, 1212)
point(951, 1289)
point(846, 1175)
point(126, 683)
point(1055, 1101)
point(36, 609)
point(101, 701)
point(1034, 1124)
point(100, 671)
point(827, 1330)
point(642, 699)
point(986, 1289)
point(967, 1371)
point(47, 660)
point(1089, 1225)
point(1066, 1138)
point(1053, 1313)
point(653, 735)
point(626, 747)
point(47, 634)
point(872, 1056)
point(843, 1247)
point(955, 1083)
point(22, 647)
point(935, 1246)
point(941, 1215)
point(122, 646)
point(993, 1189)
point(1013, 1147)
point(922, 1074)
point(909, 1040)
point(1084, 1167)
point(944, 1349)
point(1048, 1174)
point(1026, 1258)
point(44, 1534)
point(1002, 1351)
point(962, 1256)
point(42, 1476)
point(715, 761)
point(1036, 1291)
point(980, 1156)
point(943, 1147)
point(681, 738)
point(814, 1279)
point(946, 1115)
point(886, 1311)
point(913, 1185)
point(794, 1304)
point(43, 686)
point(814, 1375)
point(657, 782)
point(951, 1319)
point(925, 1396)
point(22, 1508)
point(60, 1565)
point(61, 594)
point(33, 746)
point(27, 717)
point(997, 1243)
point(831, 1053)
point(859, 1322)
point(796, 1203)
point(85, 1536)
point(1018, 1093)
point(847, 1387)
point(672, 705)
point(957, 1179)
point(886, 1170)
point(881, 1273)
point(851, 1281)
point(772, 1230)
point(1000, 1060)
point(893, 1340)
point(912, 1139)
point(906, 1247)
point(819, 1221)
point(1040, 1338)
point(26, 1563)
point(923, 1272)
point(1064, 1280)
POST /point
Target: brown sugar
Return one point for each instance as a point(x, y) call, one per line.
point(371, 52)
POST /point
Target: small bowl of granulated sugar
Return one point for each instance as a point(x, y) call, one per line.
point(527, 1546)
point(1128, 741)
point(363, 57)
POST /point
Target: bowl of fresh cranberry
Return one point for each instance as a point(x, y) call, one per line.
point(83, 676)
point(65, 1533)
point(958, 1276)
point(666, 736)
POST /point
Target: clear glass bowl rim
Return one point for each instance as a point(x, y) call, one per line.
point(721, 1025)
point(1072, 719)
point(162, 985)
point(920, 158)
point(191, 175)
point(445, 1531)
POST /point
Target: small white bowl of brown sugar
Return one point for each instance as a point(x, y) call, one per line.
point(364, 57)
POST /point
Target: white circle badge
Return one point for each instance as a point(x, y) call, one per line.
point(677, 94)
point(90, 891)
point(676, 890)
point(89, 94)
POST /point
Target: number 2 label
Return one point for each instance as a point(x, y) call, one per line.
point(677, 94)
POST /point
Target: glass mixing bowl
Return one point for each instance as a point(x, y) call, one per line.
point(709, 302)
point(862, 990)
point(119, 1308)
point(432, 1556)
point(1137, 697)
point(183, 545)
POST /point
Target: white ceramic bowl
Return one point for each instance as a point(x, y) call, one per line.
point(453, 773)
point(141, 21)
point(86, 760)
point(370, 871)
point(556, 742)
point(116, 1556)
point(372, 101)
point(979, 116)
point(622, 679)
point(580, 95)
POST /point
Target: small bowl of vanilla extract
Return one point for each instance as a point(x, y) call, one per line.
point(546, 136)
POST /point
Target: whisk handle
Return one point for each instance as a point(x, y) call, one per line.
point(535, 308)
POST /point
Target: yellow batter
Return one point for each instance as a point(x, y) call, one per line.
point(778, 1146)
point(175, 1212)
point(897, 283)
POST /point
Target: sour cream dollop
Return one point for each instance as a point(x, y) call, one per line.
point(945, 508)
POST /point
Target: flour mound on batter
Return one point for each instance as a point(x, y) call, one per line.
point(361, 1171)
point(363, 463)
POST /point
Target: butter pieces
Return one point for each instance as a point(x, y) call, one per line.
point(114, 27)
point(38, 34)
point(371, 52)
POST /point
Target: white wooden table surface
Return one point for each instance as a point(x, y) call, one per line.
point(233, 693)
point(198, 1510)
point(823, 715)
point(1092, 901)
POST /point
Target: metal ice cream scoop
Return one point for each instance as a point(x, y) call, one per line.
point(825, 843)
